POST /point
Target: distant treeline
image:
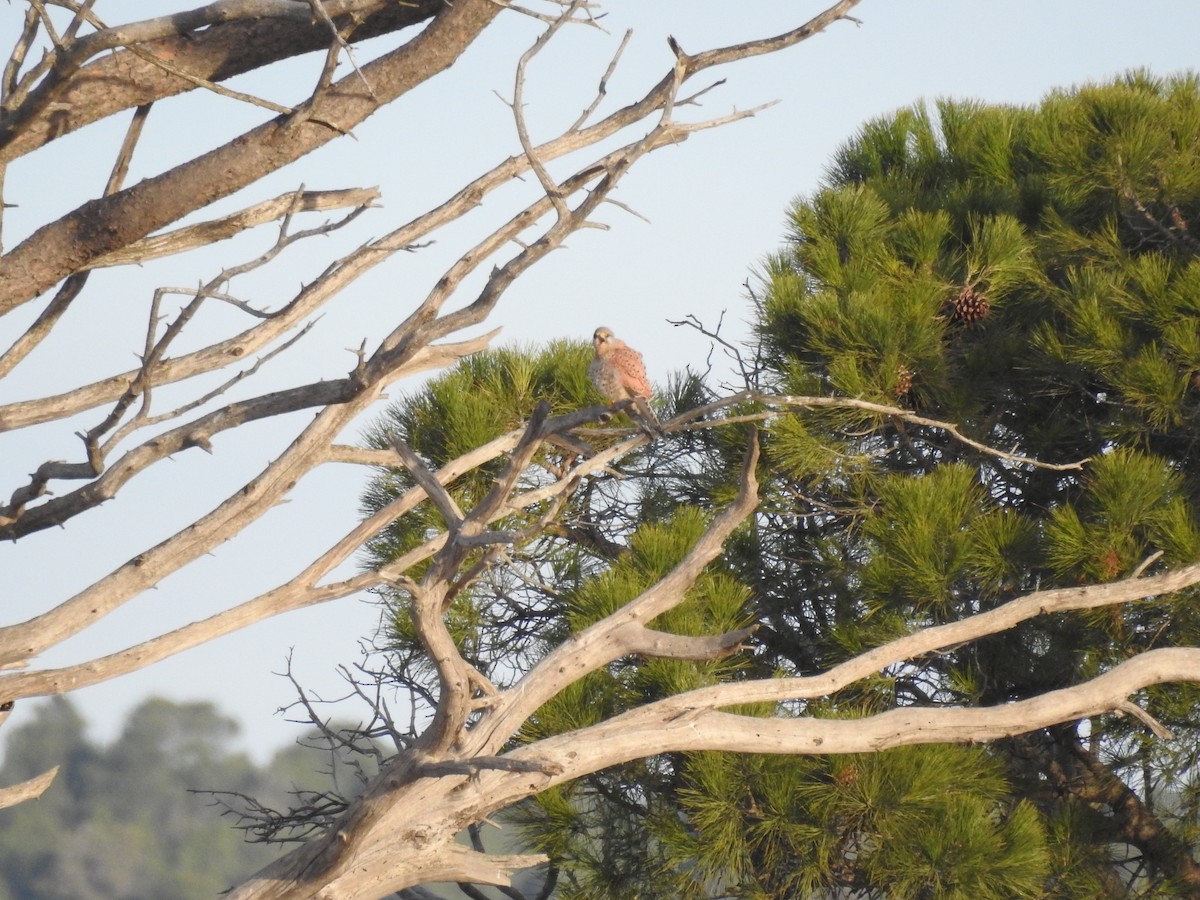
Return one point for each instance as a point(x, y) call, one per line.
point(120, 821)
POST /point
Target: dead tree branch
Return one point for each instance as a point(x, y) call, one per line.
point(27, 790)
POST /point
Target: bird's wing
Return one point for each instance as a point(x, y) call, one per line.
point(633, 371)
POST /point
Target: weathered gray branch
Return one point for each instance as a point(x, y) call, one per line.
point(675, 726)
point(604, 641)
point(649, 642)
point(204, 233)
point(28, 790)
point(928, 640)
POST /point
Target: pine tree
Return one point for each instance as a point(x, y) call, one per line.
point(1029, 274)
point(1033, 273)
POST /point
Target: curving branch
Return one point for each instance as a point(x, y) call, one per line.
point(27, 790)
point(928, 640)
point(203, 234)
point(16, 520)
point(697, 418)
point(674, 726)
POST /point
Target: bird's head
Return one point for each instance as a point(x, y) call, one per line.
point(601, 337)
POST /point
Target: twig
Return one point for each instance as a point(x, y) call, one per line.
point(547, 17)
point(74, 284)
point(790, 401)
point(125, 156)
point(602, 89)
point(339, 40)
point(433, 489)
point(27, 790)
point(518, 107)
point(1160, 731)
point(44, 323)
point(749, 375)
point(1146, 563)
point(12, 68)
point(149, 421)
point(221, 296)
point(204, 233)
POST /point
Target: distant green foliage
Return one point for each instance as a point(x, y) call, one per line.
point(120, 821)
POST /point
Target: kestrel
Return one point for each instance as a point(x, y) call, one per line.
point(618, 373)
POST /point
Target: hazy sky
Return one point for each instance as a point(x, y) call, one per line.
point(715, 205)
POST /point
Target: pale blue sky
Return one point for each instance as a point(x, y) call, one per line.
point(716, 206)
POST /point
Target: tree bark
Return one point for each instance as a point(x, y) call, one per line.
point(1077, 775)
point(124, 80)
point(108, 224)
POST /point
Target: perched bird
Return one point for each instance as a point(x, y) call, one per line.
point(618, 373)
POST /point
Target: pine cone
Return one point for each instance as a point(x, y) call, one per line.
point(1110, 565)
point(904, 380)
point(846, 776)
point(969, 306)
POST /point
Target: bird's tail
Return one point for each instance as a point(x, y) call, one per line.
point(645, 418)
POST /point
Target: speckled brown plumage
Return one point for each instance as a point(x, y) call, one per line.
point(618, 373)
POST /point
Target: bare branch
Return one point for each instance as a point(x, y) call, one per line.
point(125, 156)
point(429, 484)
point(27, 790)
point(42, 326)
point(675, 725)
point(934, 638)
point(648, 642)
point(16, 59)
point(1157, 728)
point(204, 233)
point(16, 520)
point(73, 285)
point(518, 108)
point(698, 414)
point(298, 592)
point(604, 642)
point(212, 43)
